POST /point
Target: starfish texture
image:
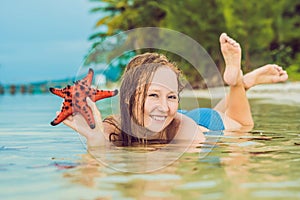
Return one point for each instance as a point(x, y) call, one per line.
point(75, 99)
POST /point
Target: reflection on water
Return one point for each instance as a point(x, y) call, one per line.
point(40, 161)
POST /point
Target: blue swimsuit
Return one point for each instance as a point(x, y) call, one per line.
point(206, 117)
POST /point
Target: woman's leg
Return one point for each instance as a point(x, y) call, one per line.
point(237, 105)
point(266, 74)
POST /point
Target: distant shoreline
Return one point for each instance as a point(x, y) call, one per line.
point(288, 92)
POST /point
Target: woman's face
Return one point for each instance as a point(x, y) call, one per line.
point(161, 103)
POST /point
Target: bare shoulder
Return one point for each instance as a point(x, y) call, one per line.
point(187, 122)
point(189, 129)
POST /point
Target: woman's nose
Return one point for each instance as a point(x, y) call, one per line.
point(163, 105)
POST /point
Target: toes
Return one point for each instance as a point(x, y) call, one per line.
point(223, 37)
point(277, 67)
point(281, 77)
point(284, 76)
point(236, 44)
point(231, 41)
point(273, 67)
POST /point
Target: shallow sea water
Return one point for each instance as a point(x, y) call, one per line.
point(39, 161)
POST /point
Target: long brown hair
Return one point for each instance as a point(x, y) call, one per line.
point(133, 92)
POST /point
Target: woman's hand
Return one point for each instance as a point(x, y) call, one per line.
point(77, 122)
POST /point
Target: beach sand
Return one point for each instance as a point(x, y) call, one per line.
point(285, 93)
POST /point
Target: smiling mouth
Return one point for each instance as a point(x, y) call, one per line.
point(158, 118)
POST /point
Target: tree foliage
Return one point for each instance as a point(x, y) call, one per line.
point(267, 30)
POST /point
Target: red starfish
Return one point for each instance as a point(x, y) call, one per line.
point(75, 99)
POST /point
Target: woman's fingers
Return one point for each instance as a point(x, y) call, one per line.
point(78, 123)
point(69, 121)
point(96, 113)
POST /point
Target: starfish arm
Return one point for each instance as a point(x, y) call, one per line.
point(65, 112)
point(101, 94)
point(58, 92)
point(67, 91)
point(89, 78)
point(87, 113)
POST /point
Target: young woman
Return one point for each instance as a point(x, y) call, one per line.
point(149, 99)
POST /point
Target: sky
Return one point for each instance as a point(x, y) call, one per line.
point(43, 40)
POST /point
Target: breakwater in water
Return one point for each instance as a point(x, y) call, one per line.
point(22, 89)
point(33, 88)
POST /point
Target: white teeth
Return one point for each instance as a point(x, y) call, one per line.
point(159, 118)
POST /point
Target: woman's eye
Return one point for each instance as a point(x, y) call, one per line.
point(172, 97)
point(153, 95)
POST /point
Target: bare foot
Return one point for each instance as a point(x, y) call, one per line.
point(270, 73)
point(231, 51)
